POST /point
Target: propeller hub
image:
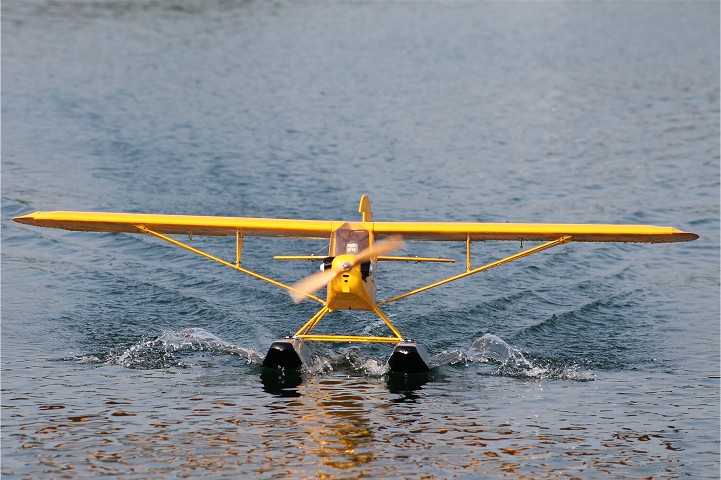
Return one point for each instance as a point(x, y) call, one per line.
point(346, 266)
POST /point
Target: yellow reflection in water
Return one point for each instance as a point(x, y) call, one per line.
point(337, 421)
point(334, 426)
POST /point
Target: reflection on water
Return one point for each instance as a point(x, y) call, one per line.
point(340, 423)
point(287, 383)
point(343, 426)
point(407, 385)
point(283, 383)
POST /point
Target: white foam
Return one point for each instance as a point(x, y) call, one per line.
point(193, 339)
point(507, 360)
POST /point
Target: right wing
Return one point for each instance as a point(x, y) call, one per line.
point(181, 224)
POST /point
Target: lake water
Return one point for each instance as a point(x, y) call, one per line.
point(123, 356)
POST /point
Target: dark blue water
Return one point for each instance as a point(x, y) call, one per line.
point(123, 356)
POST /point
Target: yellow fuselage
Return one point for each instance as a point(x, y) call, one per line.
point(349, 290)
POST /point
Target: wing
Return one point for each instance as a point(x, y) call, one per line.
point(181, 224)
point(275, 227)
point(532, 232)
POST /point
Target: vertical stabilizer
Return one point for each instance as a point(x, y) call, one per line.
point(365, 209)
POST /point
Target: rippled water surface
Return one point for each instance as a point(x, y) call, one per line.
point(122, 356)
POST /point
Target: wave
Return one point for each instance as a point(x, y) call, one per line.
point(170, 350)
point(501, 359)
point(194, 347)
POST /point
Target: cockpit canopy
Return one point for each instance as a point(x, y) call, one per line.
point(347, 240)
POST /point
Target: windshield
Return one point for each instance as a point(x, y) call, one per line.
point(349, 241)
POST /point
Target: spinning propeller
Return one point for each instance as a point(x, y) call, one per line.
point(315, 282)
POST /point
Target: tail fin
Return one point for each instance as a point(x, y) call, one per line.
point(365, 209)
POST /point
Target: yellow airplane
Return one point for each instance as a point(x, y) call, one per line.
point(349, 270)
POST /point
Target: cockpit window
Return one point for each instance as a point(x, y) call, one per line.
point(349, 241)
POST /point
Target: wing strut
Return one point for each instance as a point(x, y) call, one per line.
point(238, 247)
point(145, 229)
point(524, 253)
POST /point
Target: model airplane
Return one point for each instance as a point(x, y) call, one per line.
point(349, 270)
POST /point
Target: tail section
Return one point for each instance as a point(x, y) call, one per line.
point(365, 209)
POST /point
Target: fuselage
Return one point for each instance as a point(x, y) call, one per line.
point(353, 289)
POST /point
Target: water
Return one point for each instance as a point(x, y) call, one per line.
point(125, 357)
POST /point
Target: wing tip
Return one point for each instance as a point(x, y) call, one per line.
point(681, 236)
point(28, 219)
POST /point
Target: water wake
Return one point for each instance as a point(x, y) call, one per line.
point(496, 357)
point(349, 359)
point(182, 349)
point(198, 347)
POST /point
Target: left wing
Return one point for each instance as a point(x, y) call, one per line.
point(181, 224)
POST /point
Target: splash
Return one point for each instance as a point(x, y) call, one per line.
point(169, 349)
point(198, 347)
point(503, 359)
point(350, 360)
point(363, 364)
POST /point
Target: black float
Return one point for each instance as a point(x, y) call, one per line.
point(287, 353)
point(291, 353)
point(409, 357)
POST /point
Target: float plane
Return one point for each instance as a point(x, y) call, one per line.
point(349, 271)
